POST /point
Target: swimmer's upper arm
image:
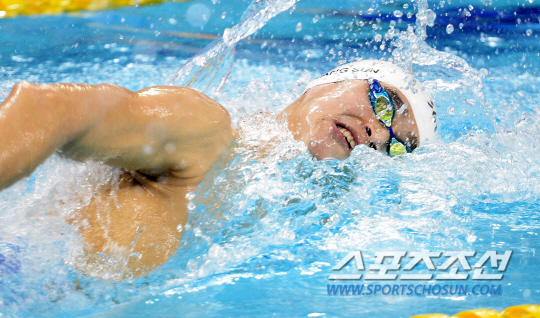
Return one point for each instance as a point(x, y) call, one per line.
point(159, 131)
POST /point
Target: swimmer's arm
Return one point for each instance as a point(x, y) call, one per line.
point(160, 132)
point(157, 131)
point(36, 120)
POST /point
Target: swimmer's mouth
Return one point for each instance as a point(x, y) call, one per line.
point(348, 136)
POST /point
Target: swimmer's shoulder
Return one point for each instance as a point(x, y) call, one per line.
point(183, 99)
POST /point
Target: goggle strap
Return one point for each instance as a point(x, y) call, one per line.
point(391, 132)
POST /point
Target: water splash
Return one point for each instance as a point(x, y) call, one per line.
point(208, 70)
point(273, 215)
point(255, 221)
point(450, 79)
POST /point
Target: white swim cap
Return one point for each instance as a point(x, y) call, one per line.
point(419, 98)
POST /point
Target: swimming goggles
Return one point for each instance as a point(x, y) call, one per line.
point(384, 111)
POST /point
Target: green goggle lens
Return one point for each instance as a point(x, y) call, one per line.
point(384, 110)
point(396, 148)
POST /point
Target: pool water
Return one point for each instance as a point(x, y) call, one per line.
point(265, 231)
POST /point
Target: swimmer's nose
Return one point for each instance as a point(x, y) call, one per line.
point(378, 135)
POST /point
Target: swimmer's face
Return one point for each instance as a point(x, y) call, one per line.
point(334, 118)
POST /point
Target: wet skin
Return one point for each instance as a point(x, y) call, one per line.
point(164, 139)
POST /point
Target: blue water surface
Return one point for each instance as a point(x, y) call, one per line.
point(264, 234)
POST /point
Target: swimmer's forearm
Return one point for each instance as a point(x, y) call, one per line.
point(38, 119)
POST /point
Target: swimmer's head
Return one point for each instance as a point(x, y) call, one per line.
point(335, 114)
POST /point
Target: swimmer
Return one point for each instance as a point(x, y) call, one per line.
point(165, 139)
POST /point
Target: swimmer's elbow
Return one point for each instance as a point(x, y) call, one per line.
point(20, 86)
point(22, 91)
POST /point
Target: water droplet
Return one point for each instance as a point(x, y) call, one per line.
point(378, 38)
point(449, 29)
point(148, 149)
point(190, 196)
point(223, 15)
point(471, 7)
point(471, 238)
point(179, 228)
point(169, 147)
point(528, 32)
point(451, 110)
point(483, 72)
point(228, 35)
point(370, 10)
point(402, 108)
point(431, 16)
point(406, 6)
point(191, 206)
point(398, 14)
point(461, 25)
point(197, 15)
point(173, 21)
point(298, 27)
